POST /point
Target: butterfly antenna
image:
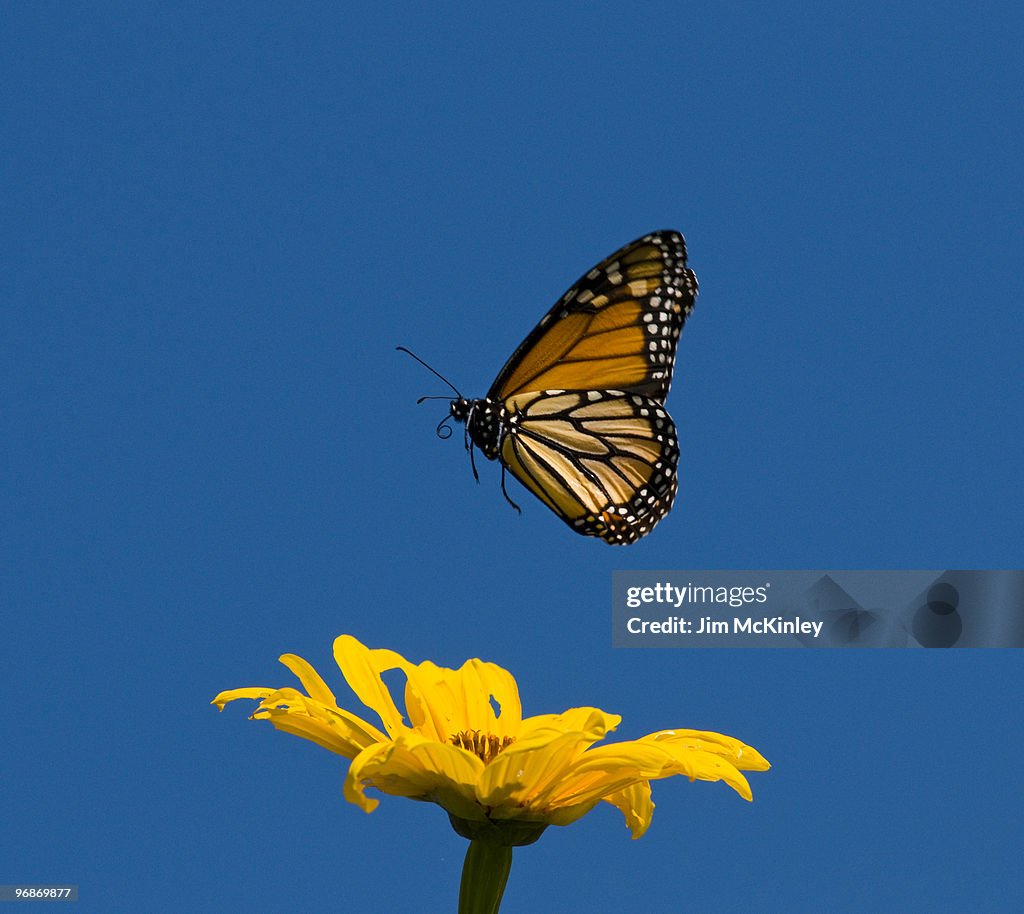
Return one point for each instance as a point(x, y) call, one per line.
point(434, 372)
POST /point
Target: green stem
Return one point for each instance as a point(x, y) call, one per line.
point(484, 875)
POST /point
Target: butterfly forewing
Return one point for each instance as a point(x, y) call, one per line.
point(616, 329)
point(604, 461)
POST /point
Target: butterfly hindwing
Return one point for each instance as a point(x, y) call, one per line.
point(615, 329)
point(602, 460)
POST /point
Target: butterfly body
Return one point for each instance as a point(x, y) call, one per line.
point(577, 414)
point(486, 423)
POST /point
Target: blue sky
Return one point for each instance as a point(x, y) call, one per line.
point(218, 224)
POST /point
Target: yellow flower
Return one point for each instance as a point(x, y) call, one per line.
point(465, 745)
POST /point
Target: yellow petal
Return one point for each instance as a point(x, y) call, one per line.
point(513, 779)
point(234, 694)
point(442, 703)
point(292, 712)
point(742, 756)
point(566, 815)
point(315, 687)
point(634, 802)
point(528, 770)
point(418, 768)
point(362, 668)
point(480, 682)
point(431, 703)
point(315, 731)
point(597, 774)
point(636, 806)
point(593, 723)
point(607, 769)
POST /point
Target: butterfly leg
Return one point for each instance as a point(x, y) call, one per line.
point(505, 492)
point(469, 448)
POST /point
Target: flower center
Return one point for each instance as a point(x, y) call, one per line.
point(483, 745)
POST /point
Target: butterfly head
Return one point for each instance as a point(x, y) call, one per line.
point(461, 409)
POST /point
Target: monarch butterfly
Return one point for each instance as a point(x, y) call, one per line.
point(577, 413)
